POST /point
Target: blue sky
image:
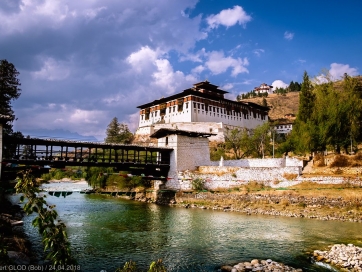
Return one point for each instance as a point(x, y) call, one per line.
point(82, 63)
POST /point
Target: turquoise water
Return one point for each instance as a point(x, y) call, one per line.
point(106, 232)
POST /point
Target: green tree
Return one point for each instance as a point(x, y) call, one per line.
point(244, 143)
point(118, 133)
point(238, 141)
point(306, 99)
point(9, 91)
point(260, 140)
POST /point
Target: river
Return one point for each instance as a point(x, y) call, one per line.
point(105, 232)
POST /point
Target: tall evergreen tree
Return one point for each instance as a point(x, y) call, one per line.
point(118, 133)
point(306, 99)
point(9, 91)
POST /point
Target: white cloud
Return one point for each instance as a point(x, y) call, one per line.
point(197, 57)
point(142, 59)
point(279, 84)
point(218, 64)
point(166, 78)
point(288, 35)
point(227, 86)
point(258, 52)
point(53, 70)
point(229, 17)
point(338, 70)
point(198, 69)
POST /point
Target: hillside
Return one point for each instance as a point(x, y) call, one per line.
point(280, 105)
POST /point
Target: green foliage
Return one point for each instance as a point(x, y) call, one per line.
point(250, 94)
point(244, 143)
point(306, 99)
point(52, 230)
point(157, 266)
point(120, 182)
point(218, 151)
point(73, 173)
point(95, 176)
point(131, 266)
point(118, 133)
point(329, 115)
point(4, 258)
point(281, 91)
point(198, 184)
point(294, 87)
point(9, 87)
point(238, 140)
point(128, 267)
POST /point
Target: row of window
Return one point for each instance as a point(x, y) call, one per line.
point(203, 107)
point(283, 126)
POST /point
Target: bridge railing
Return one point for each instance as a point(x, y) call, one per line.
point(59, 152)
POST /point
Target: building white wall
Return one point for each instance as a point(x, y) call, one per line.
point(283, 129)
point(196, 112)
point(188, 154)
point(190, 159)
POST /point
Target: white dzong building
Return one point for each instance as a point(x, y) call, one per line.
point(201, 108)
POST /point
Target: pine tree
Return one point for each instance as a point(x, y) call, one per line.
point(9, 90)
point(306, 99)
point(118, 133)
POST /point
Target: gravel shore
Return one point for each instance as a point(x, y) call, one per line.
point(347, 257)
point(259, 265)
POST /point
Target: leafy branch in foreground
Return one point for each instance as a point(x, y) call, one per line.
point(156, 266)
point(52, 230)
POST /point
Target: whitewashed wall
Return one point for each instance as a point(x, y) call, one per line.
point(216, 177)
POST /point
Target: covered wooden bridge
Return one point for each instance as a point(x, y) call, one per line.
point(149, 161)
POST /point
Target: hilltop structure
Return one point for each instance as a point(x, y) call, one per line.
point(202, 108)
point(264, 88)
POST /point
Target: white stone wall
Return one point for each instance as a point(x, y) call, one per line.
point(268, 162)
point(188, 154)
point(216, 177)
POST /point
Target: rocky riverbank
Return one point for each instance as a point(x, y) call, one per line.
point(289, 205)
point(12, 236)
point(256, 265)
point(347, 257)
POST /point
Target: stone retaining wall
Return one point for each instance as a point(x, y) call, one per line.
point(221, 177)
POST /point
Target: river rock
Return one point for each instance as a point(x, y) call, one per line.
point(344, 256)
point(262, 265)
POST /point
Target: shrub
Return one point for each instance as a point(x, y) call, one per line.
point(319, 160)
point(340, 161)
point(198, 184)
point(119, 182)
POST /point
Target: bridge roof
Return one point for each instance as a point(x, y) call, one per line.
point(78, 144)
point(163, 132)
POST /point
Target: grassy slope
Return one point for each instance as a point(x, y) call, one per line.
point(279, 104)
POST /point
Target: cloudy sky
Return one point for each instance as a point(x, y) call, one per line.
point(82, 63)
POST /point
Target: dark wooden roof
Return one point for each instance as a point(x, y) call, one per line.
point(194, 92)
point(208, 86)
point(163, 132)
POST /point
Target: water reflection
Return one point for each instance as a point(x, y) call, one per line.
point(106, 232)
